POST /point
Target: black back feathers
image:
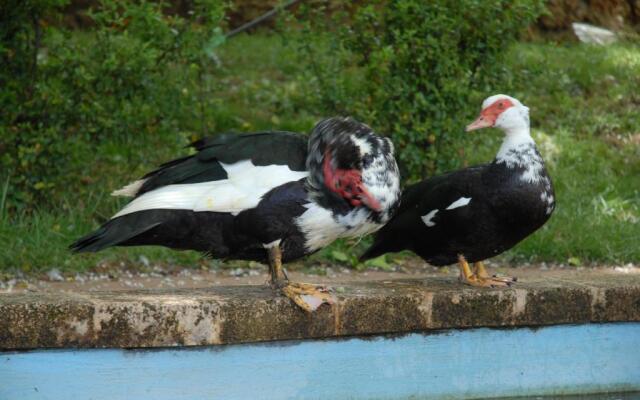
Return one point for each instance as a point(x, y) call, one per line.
point(262, 148)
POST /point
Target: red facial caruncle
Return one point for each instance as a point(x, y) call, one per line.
point(490, 114)
point(347, 183)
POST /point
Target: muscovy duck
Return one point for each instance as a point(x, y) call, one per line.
point(479, 212)
point(268, 196)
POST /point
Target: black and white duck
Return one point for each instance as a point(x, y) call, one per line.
point(476, 213)
point(270, 196)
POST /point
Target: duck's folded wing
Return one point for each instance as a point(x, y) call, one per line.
point(229, 173)
point(261, 149)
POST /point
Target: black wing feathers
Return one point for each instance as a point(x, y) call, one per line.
point(112, 233)
point(262, 148)
point(185, 170)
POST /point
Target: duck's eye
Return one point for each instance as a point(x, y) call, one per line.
point(500, 105)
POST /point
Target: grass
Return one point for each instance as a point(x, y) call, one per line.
point(585, 117)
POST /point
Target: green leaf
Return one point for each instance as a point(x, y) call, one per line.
point(339, 256)
point(574, 261)
point(379, 262)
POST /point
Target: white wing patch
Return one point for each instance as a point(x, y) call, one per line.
point(130, 190)
point(244, 187)
point(461, 202)
point(428, 218)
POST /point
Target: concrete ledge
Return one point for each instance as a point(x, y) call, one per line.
point(241, 314)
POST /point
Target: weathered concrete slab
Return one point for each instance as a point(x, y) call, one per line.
point(240, 314)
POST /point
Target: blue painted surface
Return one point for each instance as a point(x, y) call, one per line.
point(470, 363)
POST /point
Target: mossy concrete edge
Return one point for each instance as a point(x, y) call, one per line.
point(242, 314)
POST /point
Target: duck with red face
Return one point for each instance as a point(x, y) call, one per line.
point(267, 196)
point(476, 213)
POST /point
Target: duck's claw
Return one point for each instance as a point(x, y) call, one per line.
point(480, 277)
point(308, 296)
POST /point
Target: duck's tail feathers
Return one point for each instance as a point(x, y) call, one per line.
point(114, 232)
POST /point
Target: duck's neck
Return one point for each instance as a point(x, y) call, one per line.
point(516, 147)
point(518, 153)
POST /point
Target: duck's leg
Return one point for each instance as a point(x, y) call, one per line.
point(307, 296)
point(275, 264)
point(479, 277)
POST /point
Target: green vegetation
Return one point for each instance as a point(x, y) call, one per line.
point(135, 108)
point(416, 68)
point(136, 73)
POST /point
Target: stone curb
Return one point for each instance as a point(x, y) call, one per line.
point(241, 314)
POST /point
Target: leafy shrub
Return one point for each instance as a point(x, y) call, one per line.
point(136, 74)
point(421, 68)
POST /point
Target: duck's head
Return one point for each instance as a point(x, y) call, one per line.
point(502, 112)
point(349, 165)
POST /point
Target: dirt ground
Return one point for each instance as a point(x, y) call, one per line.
point(163, 278)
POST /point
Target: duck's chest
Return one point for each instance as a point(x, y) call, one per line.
point(320, 226)
point(522, 196)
